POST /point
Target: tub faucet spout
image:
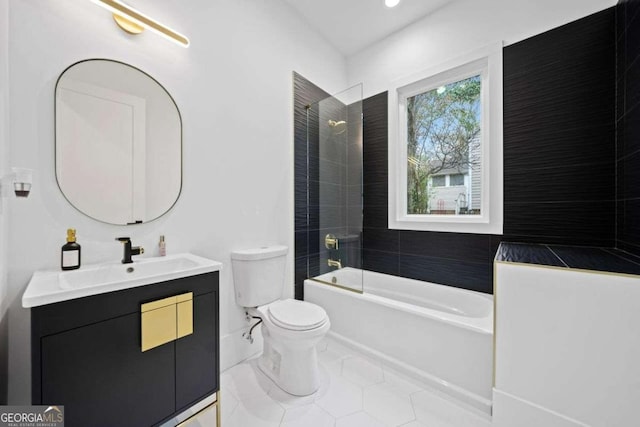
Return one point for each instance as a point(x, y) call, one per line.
point(333, 263)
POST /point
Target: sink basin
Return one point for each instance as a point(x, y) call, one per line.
point(47, 287)
point(100, 274)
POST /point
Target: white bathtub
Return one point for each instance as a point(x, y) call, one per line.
point(440, 335)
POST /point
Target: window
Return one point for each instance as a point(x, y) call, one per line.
point(445, 147)
point(438, 181)
point(457, 179)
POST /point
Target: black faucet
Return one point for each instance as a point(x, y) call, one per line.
point(129, 250)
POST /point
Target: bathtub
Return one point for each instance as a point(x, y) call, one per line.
point(439, 335)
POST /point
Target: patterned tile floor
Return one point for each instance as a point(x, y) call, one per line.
point(355, 392)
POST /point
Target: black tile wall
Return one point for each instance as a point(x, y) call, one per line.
point(559, 134)
point(628, 126)
point(559, 151)
point(454, 259)
point(571, 144)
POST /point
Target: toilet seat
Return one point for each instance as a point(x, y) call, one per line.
point(296, 315)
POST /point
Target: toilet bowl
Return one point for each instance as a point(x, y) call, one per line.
point(291, 328)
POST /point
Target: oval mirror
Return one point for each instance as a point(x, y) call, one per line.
point(118, 142)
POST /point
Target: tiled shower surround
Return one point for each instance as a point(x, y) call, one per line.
point(559, 139)
point(561, 114)
point(628, 125)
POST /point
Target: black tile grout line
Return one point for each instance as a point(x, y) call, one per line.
point(565, 166)
point(379, 251)
point(631, 65)
point(626, 156)
point(557, 256)
point(550, 202)
point(484, 263)
point(532, 70)
point(626, 253)
point(506, 238)
point(567, 130)
point(629, 110)
point(628, 199)
point(626, 27)
point(630, 244)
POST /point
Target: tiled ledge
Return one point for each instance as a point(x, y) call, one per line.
point(584, 258)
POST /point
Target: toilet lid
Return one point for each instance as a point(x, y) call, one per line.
point(297, 315)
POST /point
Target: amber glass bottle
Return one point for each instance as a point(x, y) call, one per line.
point(70, 255)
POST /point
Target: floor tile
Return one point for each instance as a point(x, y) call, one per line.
point(259, 411)
point(228, 404)
point(431, 409)
point(388, 404)
point(359, 419)
point(334, 352)
point(288, 401)
point(341, 398)
point(402, 383)
point(307, 416)
point(354, 391)
point(415, 424)
point(362, 371)
point(246, 381)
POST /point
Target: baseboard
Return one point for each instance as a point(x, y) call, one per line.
point(235, 349)
point(509, 411)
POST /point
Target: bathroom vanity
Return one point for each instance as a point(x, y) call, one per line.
point(137, 356)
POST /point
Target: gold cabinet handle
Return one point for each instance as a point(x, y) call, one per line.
point(166, 320)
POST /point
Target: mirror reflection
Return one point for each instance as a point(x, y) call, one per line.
point(118, 142)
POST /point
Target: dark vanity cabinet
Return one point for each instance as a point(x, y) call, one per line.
point(87, 355)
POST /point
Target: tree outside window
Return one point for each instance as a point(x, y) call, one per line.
point(443, 136)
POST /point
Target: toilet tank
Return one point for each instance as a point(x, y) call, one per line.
point(258, 274)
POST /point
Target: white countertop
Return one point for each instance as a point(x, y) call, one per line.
point(47, 287)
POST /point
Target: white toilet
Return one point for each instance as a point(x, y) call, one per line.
point(291, 328)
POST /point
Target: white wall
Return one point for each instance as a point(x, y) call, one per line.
point(460, 27)
point(4, 87)
point(234, 89)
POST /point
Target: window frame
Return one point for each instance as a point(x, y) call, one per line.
point(486, 62)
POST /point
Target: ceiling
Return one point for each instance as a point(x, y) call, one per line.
point(351, 25)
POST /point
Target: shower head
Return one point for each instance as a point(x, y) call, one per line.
point(338, 127)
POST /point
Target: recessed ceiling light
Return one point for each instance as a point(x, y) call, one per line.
point(391, 3)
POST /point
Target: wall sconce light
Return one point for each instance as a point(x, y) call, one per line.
point(134, 22)
point(20, 179)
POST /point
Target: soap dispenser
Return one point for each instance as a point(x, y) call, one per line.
point(70, 255)
point(162, 246)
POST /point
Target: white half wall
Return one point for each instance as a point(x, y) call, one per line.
point(566, 347)
point(234, 88)
point(460, 27)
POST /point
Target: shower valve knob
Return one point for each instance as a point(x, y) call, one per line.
point(331, 241)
